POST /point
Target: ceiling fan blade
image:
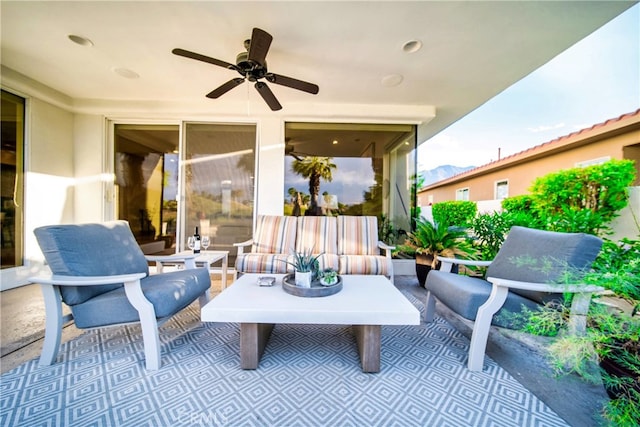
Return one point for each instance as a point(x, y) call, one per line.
point(268, 96)
point(292, 83)
point(259, 46)
point(219, 91)
point(203, 58)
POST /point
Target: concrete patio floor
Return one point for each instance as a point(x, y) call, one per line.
point(522, 355)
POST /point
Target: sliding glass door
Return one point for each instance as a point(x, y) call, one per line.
point(146, 182)
point(165, 189)
point(219, 170)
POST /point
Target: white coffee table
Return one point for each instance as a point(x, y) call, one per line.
point(365, 302)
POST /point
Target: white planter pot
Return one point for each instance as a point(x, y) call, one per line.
point(303, 279)
point(404, 267)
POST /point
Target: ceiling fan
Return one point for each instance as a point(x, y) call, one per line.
point(252, 66)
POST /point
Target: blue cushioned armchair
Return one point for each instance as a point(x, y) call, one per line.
point(100, 272)
point(526, 272)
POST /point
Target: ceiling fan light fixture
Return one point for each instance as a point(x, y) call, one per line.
point(126, 73)
point(82, 41)
point(412, 46)
point(392, 80)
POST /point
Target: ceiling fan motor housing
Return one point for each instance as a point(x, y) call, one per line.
point(250, 69)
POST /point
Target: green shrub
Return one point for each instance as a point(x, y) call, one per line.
point(489, 232)
point(520, 203)
point(583, 199)
point(457, 213)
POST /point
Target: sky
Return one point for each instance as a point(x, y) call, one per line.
point(593, 81)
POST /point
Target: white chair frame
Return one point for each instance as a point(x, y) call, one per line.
point(499, 291)
point(149, 323)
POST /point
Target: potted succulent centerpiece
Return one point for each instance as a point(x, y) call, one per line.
point(328, 277)
point(430, 240)
point(305, 266)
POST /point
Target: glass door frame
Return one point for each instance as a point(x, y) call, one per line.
point(110, 206)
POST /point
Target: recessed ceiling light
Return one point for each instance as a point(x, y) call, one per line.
point(392, 80)
point(126, 73)
point(412, 46)
point(82, 41)
point(335, 142)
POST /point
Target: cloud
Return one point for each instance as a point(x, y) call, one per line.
point(446, 149)
point(543, 128)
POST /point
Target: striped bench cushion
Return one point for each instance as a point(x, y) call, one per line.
point(358, 235)
point(274, 234)
point(262, 263)
point(320, 233)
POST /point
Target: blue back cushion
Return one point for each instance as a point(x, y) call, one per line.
point(531, 255)
point(103, 249)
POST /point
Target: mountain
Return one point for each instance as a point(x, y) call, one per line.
point(442, 172)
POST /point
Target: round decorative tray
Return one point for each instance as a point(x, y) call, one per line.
point(316, 289)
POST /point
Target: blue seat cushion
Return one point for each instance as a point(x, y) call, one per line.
point(168, 292)
point(464, 295)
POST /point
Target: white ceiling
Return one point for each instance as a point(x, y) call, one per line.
point(471, 52)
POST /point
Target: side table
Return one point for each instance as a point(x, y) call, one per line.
point(205, 259)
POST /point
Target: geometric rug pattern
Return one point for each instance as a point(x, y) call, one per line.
point(308, 376)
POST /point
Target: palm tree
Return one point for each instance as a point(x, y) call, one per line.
point(314, 168)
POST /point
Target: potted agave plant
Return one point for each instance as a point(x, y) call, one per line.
point(431, 240)
point(305, 267)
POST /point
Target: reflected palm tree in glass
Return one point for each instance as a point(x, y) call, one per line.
point(314, 168)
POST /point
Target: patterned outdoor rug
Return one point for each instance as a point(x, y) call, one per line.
point(309, 376)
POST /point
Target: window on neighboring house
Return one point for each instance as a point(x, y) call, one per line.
point(462, 194)
point(12, 184)
point(592, 162)
point(502, 190)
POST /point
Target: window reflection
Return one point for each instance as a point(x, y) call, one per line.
point(351, 169)
point(12, 182)
point(146, 179)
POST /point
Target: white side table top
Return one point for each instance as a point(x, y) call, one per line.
point(208, 257)
point(205, 258)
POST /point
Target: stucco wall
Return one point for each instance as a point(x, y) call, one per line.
point(89, 154)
